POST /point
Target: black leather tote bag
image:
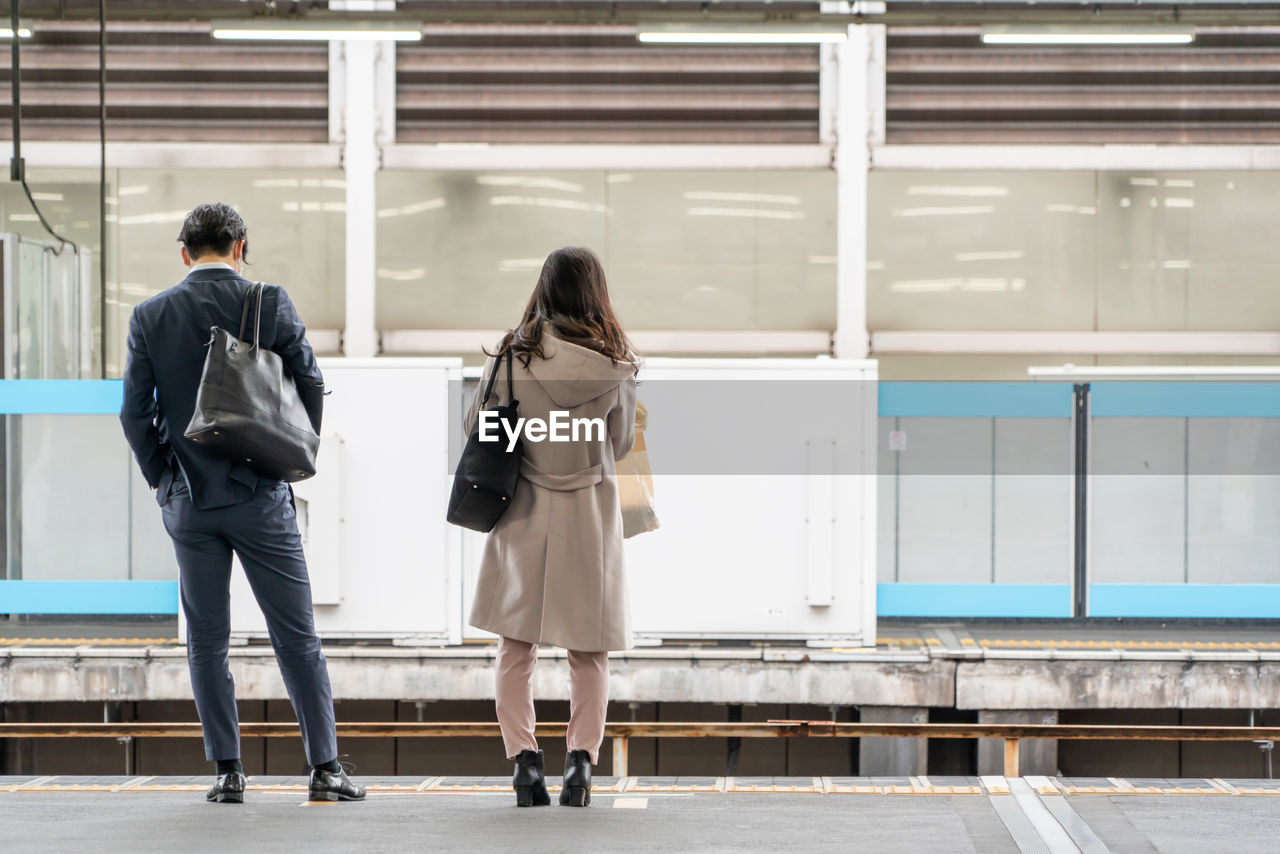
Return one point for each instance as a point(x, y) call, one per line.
point(485, 480)
point(247, 407)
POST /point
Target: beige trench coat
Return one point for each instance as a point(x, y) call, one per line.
point(552, 569)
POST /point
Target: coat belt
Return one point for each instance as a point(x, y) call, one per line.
point(561, 482)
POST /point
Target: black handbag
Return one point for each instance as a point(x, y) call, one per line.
point(248, 408)
point(485, 480)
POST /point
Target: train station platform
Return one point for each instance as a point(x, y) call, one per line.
point(920, 815)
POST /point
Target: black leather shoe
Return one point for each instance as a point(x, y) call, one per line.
point(228, 790)
point(333, 786)
point(530, 780)
point(575, 791)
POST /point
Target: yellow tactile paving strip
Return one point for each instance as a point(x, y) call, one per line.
point(88, 641)
point(720, 785)
point(995, 643)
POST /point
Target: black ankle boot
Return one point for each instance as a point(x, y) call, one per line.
point(576, 789)
point(530, 780)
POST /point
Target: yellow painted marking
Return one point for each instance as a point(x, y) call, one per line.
point(318, 804)
point(1019, 643)
point(631, 804)
point(39, 642)
point(995, 784)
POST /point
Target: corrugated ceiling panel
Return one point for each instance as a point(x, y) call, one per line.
point(945, 86)
point(598, 84)
point(167, 81)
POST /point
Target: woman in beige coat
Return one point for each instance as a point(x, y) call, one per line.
point(552, 570)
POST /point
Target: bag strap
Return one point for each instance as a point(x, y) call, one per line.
point(257, 317)
point(488, 388)
point(244, 312)
point(511, 392)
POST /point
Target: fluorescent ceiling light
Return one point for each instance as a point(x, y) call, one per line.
point(1102, 35)
point(745, 34)
point(24, 32)
point(321, 30)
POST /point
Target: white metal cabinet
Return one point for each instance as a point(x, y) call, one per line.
point(382, 559)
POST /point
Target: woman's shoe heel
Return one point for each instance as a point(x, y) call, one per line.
point(579, 796)
point(532, 796)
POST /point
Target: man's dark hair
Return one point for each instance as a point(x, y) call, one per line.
point(213, 229)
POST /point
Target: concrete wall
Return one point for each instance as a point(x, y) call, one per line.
point(1106, 681)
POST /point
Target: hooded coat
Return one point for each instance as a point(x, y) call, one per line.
point(552, 569)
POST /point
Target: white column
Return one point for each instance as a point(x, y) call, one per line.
point(360, 163)
point(859, 98)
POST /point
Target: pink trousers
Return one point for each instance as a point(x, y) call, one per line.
point(588, 697)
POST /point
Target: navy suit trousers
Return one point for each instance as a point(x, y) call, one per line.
point(263, 532)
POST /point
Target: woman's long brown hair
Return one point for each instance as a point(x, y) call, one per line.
point(573, 297)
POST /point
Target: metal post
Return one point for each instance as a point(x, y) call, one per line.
point(360, 163)
point(102, 189)
point(620, 755)
point(852, 156)
point(1011, 763)
point(1080, 423)
point(1266, 747)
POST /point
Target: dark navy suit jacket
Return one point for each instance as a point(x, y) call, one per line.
point(168, 334)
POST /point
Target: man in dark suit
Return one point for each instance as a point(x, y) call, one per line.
point(214, 507)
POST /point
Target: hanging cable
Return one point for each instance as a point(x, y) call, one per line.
point(17, 170)
point(102, 181)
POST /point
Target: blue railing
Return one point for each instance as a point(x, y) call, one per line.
point(973, 400)
point(76, 397)
point(61, 397)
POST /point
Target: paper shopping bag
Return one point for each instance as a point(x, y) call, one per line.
point(635, 484)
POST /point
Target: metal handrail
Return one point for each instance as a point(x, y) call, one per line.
point(622, 733)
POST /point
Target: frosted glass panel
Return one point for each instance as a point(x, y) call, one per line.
point(1145, 244)
point(945, 501)
point(682, 250)
point(82, 506)
point(1234, 251)
point(74, 516)
point(1033, 501)
point(1233, 501)
point(1137, 499)
point(981, 250)
point(976, 500)
point(1110, 250)
point(723, 250)
point(462, 250)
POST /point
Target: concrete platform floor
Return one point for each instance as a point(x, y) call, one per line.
point(989, 815)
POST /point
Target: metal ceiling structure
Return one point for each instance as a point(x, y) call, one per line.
point(945, 86)
point(628, 12)
point(540, 71)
